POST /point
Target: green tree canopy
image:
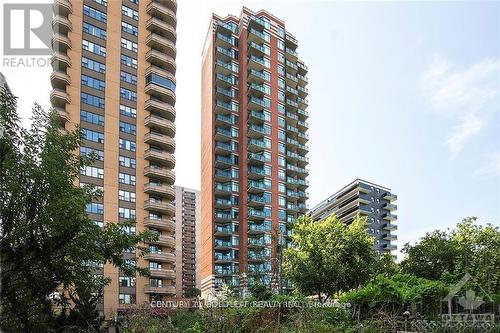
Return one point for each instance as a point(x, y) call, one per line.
point(48, 245)
point(449, 255)
point(328, 256)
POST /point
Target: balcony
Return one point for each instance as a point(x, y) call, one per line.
point(225, 120)
point(159, 206)
point(225, 54)
point(223, 175)
point(302, 79)
point(62, 114)
point(303, 91)
point(291, 40)
point(162, 273)
point(160, 156)
point(223, 161)
point(259, 77)
point(160, 190)
point(225, 41)
point(258, 257)
point(223, 148)
point(257, 242)
point(162, 108)
point(160, 173)
point(389, 226)
point(226, 68)
point(166, 241)
point(291, 80)
point(258, 90)
point(255, 145)
point(390, 207)
point(227, 28)
point(59, 98)
point(164, 290)
point(257, 200)
point(160, 140)
point(258, 36)
point(60, 61)
point(63, 7)
point(258, 49)
point(61, 24)
point(256, 104)
point(226, 80)
point(256, 131)
point(303, 69)
point(222, 217)
point(226, 272)
point(160, 256)
point(223, 230)
point(389, 217)
point(161, 28)
point(224, 258)
point(159, 224)
point(60, 43)
point(223, 245)
point(291, 67)
point(226, 108)
point(258, 229)
point(390, 237)
point(159, 124)
point(257, 23)
point(255, 158)
point(389, 247)
point(156, 86)
point(160, 11)
point(222, 189)
point(162, 44)
point(223, 203)
point(257, 186)
point(390, 196)
point(258, 63)
point(257, 172)
point(161, 60)
point(59, 80)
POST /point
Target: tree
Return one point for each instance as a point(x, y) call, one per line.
point(48, 245)
point(260, 291)
point(328, 256)
point(193, 293)
point(387, 265)
point(449, 255)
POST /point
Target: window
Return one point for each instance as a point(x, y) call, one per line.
point(281, 95)
point(125, 178)
point(126, 281)
point(281, 57)
point(281, 188)
point(128, 94)
point(94, 208)
point(281, 44)
point(91, 118)
point(127, 162)
point(281, 108)
point(94, 31)
point(86, 151)
point(281, 174)
point(127, 128)
point(93, 83)
point(126, 299)
point(161, 81)
point(281, 32)
point(127, 77)
point(281, 70)
point(281, 135)
point(281, 215)
point(93, 65)
point(281, 201)
point(127, 213)
point(126, 196)
point(129, 28)
point(129, 45)
point(130, 12)
point(281, 147)
point(92, 172)
point(281, 161)
point(131, 62)
point(102, 2)
point(100, 224)
point(94, 48)
point(93, 135)
point(281, 122)
point(128, 145)
point(92, 100)
point(128, 111)
point(281, 82)
point(94, 13)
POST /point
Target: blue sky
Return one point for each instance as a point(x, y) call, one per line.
point(402, 94)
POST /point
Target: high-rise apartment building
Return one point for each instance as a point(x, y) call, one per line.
point(114, 75)
point(373, 201)
point(254, 163)
point(187, 239)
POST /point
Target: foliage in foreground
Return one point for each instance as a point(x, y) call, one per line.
point(329, 256)
point(48, 245)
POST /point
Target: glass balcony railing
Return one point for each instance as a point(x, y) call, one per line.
point(259, 185)
point(230, 40)
point(263, 35)
point(260, 143)
point(224, 159)
point(234, 107)
point(260, 115)
point(259, 198)
point(230, 119)
point(223, 216)
point(261, 129)
point(261, 74)
point(223, 131)
point(227, 78)
point(226, 92)
point(259, 171)
point(259, 227)
point(225, 146)
point(263, 61)
point(225, 230)
point(223, 187)
point(227, 257)
point(228, 65)
point(259, 157)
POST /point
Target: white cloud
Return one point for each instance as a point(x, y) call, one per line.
point(470, 95)
point(491, 167)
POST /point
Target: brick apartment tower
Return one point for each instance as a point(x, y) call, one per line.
point(253, 158)
point(114, 75)
point(187, 239)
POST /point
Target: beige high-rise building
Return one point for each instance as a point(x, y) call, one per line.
point(187, 239)
point(114, 75)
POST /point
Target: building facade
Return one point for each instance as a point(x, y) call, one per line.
point(253, 137)
point(114, 75)
point(187, 240)
point(367, 199)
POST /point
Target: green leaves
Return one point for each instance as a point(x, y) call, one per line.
point(329, 256)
